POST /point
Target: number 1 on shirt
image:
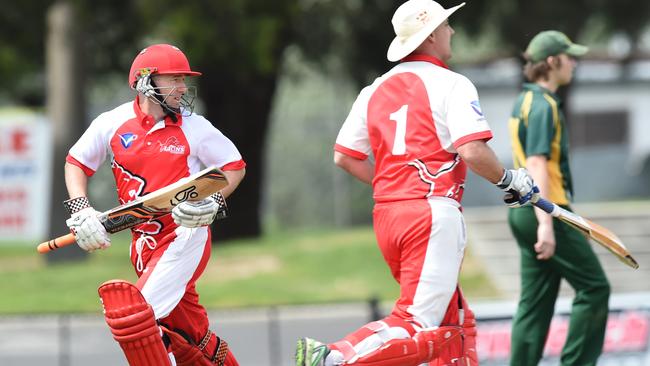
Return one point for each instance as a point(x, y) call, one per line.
point(399, 143)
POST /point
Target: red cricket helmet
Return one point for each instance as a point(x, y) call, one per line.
point(160, 59)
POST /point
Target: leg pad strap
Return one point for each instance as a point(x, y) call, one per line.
point(211, 351)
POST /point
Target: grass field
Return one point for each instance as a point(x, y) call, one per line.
point(319, 266)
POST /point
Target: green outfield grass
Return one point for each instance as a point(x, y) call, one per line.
point(280, 268)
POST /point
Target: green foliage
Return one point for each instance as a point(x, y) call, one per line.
point(281, 268)
point(22, 54)
point(243, 37)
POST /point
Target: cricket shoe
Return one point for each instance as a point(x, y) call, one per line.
point(310, 352)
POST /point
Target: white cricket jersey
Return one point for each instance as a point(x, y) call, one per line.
point(412, 119)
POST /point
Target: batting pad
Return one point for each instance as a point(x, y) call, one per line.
point(133, 324)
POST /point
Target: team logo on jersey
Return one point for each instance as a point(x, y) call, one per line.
point(127, 139)
point(129, 185)
point(172, 146)
point(476, 106)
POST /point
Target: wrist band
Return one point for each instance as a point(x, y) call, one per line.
point(505, 179)
point(222, 213)
point(75, 205)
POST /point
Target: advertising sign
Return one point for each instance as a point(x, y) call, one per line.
point(25, 173)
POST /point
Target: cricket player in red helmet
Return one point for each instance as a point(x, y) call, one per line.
point(152, 142)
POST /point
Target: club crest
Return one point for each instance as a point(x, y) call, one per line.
point(172, 146)
point(476, 106)
point(127, 139)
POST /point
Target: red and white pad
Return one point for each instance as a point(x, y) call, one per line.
point(462, 352)
point(133, 324)
point(423, 347)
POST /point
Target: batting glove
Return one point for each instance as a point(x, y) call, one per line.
point(193, 214)
point(84, 223)
point(519, 187)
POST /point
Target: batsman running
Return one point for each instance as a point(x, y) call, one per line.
point(424, 126)
point(152, 142)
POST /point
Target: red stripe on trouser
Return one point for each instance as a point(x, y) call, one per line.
point(403, 230)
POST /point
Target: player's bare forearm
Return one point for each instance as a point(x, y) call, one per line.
point(480, 158)
point(363, 170)
point(537, 166)
point(234, 178)
point(76, 181)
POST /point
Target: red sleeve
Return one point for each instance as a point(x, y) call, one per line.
point(484, 135)
point(89, 172)
point(234, 165)
point(353, 153)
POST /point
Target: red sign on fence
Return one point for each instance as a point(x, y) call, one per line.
point(25, 154)
point(627, 332)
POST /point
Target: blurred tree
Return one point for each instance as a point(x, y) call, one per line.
point(66, 102)
point(360, 31)
point(22, 53)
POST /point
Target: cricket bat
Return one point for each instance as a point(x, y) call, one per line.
point(155, 204)
point(600, 234)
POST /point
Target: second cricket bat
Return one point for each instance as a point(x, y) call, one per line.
point(600, 234)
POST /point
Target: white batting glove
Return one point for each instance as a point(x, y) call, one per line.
point(519, 187)
point(193, 214)
point(89, 232)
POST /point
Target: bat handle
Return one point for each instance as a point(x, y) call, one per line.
point(547, 206)
point(57, 243)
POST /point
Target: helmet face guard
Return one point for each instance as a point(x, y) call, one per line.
point(159, 95)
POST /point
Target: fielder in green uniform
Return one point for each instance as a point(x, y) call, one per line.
point(550, 249)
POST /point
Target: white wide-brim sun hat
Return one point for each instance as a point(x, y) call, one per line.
point(413, 22)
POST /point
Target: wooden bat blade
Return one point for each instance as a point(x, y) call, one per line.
point(152, 205)
point(611, 242)
point(598, 233)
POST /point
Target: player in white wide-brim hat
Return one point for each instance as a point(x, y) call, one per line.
point(423, 125)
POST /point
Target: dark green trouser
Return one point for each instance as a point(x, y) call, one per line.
point(575, 261)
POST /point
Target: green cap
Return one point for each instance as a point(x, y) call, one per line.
point(552, 43)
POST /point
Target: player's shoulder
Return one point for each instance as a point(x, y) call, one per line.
point(196, 119)
point(197, 124)
point(442, 77)
point(456, 79)
point(541, 99)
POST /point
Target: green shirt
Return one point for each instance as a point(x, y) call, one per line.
point(538, 127)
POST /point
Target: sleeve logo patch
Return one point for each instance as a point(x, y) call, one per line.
point(476, 106)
